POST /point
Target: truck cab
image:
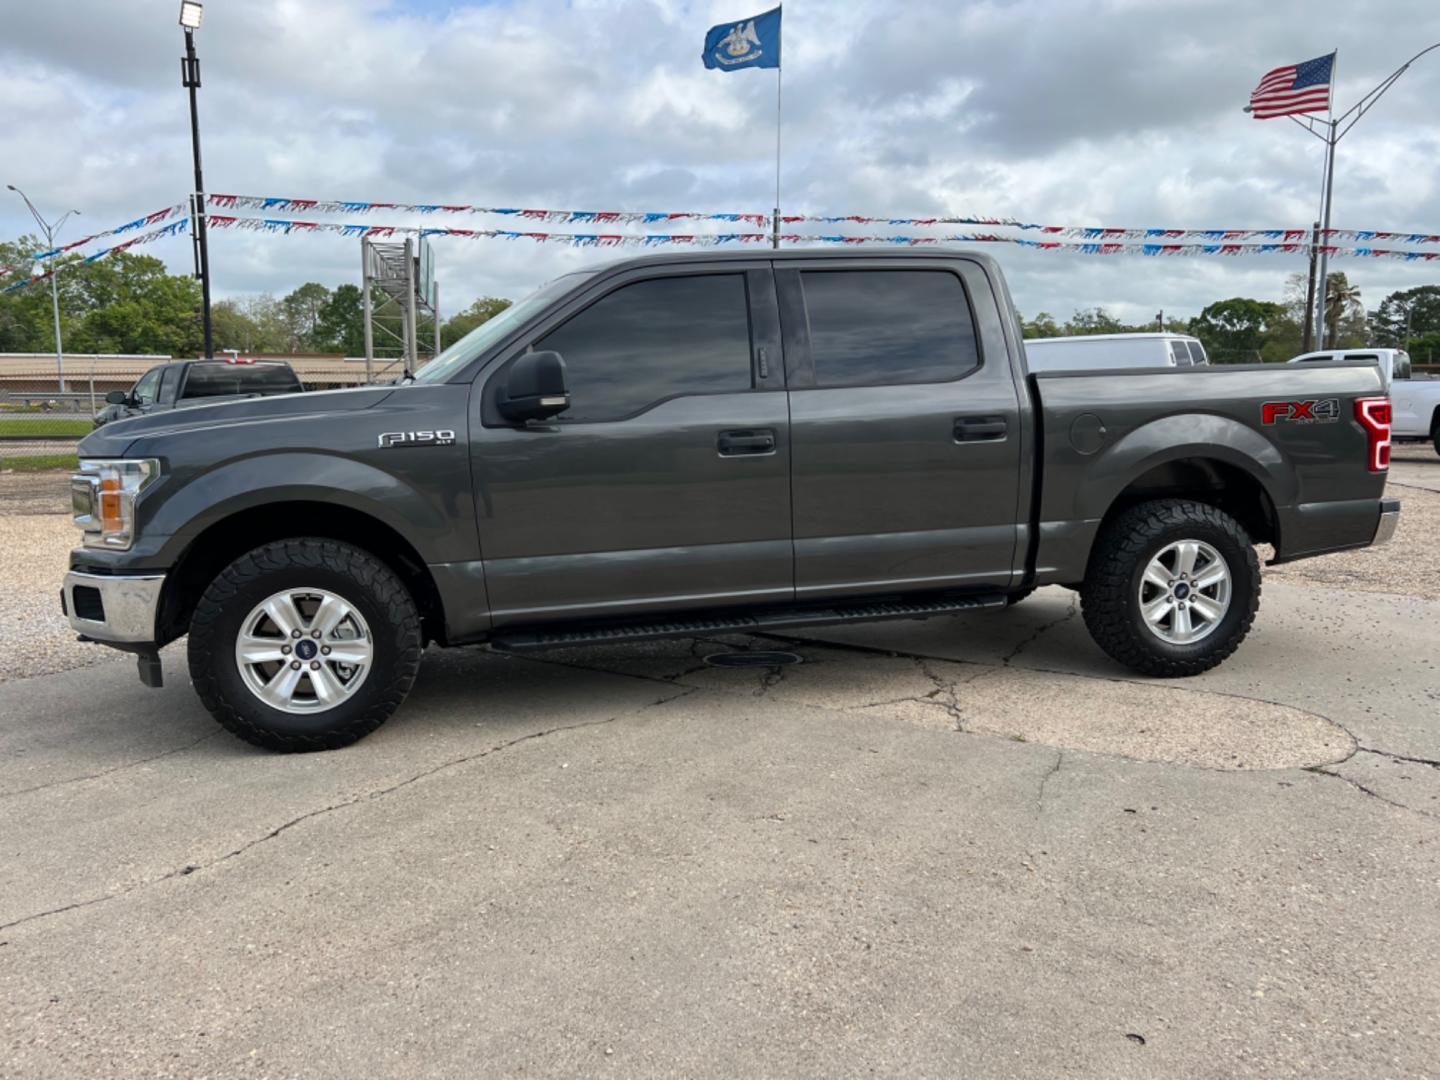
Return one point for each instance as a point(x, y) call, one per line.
point(198, 382)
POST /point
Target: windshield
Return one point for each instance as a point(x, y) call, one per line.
point(492, 330)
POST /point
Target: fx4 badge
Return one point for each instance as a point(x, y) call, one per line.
point(1322, 411)
point(417, 438)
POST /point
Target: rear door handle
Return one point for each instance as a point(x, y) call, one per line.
point(980, 428)
point(745, 443)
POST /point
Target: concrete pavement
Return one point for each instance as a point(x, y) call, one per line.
point(966, 846)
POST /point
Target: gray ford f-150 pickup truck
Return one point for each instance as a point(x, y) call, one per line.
point(688, 444)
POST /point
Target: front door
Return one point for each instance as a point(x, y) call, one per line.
point(666, 484)
point(905, 427)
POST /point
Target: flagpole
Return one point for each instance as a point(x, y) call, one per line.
point(1324, 283)
point(779, 77)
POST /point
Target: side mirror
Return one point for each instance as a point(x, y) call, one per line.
point(117, 397)
point(534, 388)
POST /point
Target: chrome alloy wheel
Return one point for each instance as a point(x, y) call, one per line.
point(1185, 592)
point(304, 650)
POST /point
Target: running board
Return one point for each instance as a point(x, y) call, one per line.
point(534, 640)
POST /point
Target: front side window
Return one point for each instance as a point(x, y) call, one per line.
point(888, 327)
point(1179, 354)
point(654, 340)
point(144, 392)
point(1197, 354)
point(1401, 367)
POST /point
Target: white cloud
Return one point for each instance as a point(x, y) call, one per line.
point(1086, 112)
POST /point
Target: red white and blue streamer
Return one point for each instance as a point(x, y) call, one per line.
point(1102, 233)
point(173, 229)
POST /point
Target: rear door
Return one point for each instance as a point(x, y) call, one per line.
point(905, 427)
point(666, 484)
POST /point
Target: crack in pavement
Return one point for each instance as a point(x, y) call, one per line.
point(1045, 780)
point(369, 796)
point(1396, 757)
point(1070, 613)
point(950, 701)
point(113, 769)
point(1324, 770)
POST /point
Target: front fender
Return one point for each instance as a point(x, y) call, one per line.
point(436, 519)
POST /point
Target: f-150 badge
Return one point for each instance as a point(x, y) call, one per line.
point(417, 438)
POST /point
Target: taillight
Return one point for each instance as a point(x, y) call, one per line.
point(1373, 413)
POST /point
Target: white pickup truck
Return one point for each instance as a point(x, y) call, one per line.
point(1415, 403)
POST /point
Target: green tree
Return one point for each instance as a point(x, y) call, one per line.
point(302, 313)
point(1237, 331)
point(1099, 321)
point(1345, 320)
point(128, 303)
point(1042, 326)
point(341, 326)
point(1413, 311)
point(482, 310)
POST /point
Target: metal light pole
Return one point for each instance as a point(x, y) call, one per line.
point(50, 231)
point(1330, 132)
point(191, 12)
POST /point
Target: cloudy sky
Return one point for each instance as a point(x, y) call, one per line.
point(1084, 112)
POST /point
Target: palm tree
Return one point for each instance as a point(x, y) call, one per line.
point(1341, 300)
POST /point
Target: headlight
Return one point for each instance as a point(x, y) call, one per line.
point(103, 496)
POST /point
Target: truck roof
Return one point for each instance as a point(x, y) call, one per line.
point(1142, 336)
point(757, 254)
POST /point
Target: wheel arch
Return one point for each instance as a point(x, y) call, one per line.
point(227, 538)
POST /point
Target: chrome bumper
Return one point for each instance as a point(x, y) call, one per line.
point(1389, 519)
point(120, 609)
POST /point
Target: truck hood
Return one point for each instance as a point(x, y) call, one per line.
point(115, 438)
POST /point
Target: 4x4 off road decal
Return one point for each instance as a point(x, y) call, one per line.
point(1314, 411)
point(417, 438)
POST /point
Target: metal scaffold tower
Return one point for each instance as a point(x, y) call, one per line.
point(399, 289)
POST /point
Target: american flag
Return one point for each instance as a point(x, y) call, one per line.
point(1294, 88)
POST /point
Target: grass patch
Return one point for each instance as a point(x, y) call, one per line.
point(39, 463)
point(41, 425)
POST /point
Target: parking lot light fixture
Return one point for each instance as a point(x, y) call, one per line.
point(51, 230)
point(191, 11)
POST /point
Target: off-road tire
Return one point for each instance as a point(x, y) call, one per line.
point(1110, 595)
point(348, 571)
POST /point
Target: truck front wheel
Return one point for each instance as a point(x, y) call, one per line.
point(304, 644)
point(1172, 588)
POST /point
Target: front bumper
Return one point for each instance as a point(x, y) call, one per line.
point(115, 609)
point(1389, 519)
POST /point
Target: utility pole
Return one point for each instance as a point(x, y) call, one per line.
point(1160, 320)
point(1308, 341)
point(51, 231)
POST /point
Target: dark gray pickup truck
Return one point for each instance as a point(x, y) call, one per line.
point(198, 382)
point(693, 444)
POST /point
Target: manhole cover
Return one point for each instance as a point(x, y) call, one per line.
point(751, 659)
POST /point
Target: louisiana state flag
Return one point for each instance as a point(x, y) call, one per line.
point(745, 44)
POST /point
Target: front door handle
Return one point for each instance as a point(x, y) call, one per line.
point(746, 443)
point(980, 428)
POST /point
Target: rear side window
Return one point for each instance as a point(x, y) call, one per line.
point(217, 380)
point(653, 340)
point(885, 327)
point(1197, 353)
point(1401, 367)
point(168, 378)
point(1179, 354)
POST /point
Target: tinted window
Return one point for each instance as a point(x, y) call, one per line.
point(654, 340)
point(877, 327)
point(1179, 354)
point(217, 380)
point(168, 377)
point(144, 391)
point(1197, 353)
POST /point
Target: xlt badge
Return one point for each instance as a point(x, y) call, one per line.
point(417, 438)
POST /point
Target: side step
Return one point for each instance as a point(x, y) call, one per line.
point(534, 640)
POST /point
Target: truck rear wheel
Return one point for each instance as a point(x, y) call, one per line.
point(1172, 588)
point(304, 644)
point(1435, 436)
